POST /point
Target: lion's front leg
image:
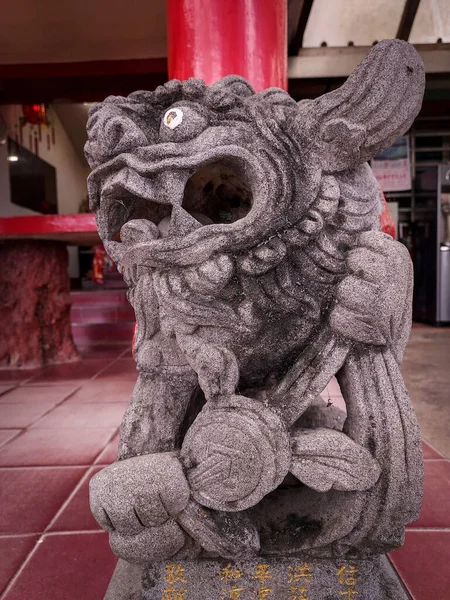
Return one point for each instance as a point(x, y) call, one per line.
point(154, 417)
point(373, 303)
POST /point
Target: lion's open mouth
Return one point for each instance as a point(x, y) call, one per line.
point(179, 201)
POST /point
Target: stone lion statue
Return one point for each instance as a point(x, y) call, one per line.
point(247, 227)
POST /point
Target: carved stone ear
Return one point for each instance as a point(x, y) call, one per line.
point(375, 106)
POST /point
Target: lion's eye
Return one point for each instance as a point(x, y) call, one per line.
point(182, 123)
point(173, 118)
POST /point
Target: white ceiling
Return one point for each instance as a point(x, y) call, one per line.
point(45, 31)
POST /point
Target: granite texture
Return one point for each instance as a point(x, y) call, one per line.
point(247, 228)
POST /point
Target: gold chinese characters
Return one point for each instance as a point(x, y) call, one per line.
point(174, 577)
point(347, 575)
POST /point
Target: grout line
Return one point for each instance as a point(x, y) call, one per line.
point(24, 467)
point(426, 529)
point(12, 387)
point(406, 589)
point(117, 430)
point(67, 501)
point(19, 432)
point(125, 351)
point(17, 574)
point(16, 535)
point(81, 532)
point(33, 551)
point(109, 366)
point(433, 448)
point(37, 419)
point(11, 428)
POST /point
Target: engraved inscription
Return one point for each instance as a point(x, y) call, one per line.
point(174, 577)
point(299, 577)
point(262, 573)
point(347, 575)
point(231, 590)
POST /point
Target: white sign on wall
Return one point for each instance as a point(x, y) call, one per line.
point(392, 168)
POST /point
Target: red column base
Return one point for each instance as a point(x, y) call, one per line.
point(34, 304)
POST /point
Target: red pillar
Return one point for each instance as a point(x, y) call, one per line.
point(209, 39)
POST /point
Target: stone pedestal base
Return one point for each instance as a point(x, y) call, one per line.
point(34, 304)
point(264, 579)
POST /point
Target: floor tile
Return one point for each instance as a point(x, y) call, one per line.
point(128, 353)
point(425, 369)
point(422, 563)
point(429, 452)
point(11, 376)
point(7, 434)
point(41, 447)
point(76, 371)
point(436, 500)
point(83, 416)
point(333, 387)
point(109, 454)
point(66, 567)
point(93, 351)
point(22, 415)
point(103, 390)
point(76, 515)
point(30, 498)
point(13, 551)
point(4, 389)
point(39, 393)
point(123, 369)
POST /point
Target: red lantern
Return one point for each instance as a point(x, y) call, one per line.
point(35, 114)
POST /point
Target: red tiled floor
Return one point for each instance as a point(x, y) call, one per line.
point(87, 333)
point(436, 501)
point(7, 434)
point(11, 376)
point(76, 371)
point(92, 395)
point(109, 454)
point(29, 393)
point(21, 415)
point(127, 353)
point(13, 551)
point(76, 515)
point(23, 490)
point(38, 447)
point(4, 389)
point(101, 350)
point(423, 564)
point(66, 567)
point(429, 452)
point(103, 390)
point(83, 416)
point(123, 369)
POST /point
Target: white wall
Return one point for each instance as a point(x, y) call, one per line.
point(70, 172)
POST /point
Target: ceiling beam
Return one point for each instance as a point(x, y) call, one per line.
point(331, 62)
point(297, 41)
point(79, 82)
point(407, 20)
